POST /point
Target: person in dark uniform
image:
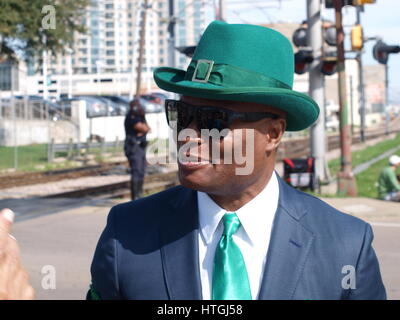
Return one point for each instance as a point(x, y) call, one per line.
point(136, 129)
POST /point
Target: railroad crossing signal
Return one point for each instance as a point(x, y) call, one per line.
point(302, 60)
point(329, 65)
point(329, 4)
point(381, 51)
point(299, 37)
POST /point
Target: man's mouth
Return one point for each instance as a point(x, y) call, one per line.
point(193, 161)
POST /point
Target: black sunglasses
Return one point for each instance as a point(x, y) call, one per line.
point(207, 117)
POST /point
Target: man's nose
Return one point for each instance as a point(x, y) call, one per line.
point(193, 126)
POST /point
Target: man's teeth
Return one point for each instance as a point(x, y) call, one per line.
point(194, 162)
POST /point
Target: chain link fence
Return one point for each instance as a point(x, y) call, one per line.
point(37, 134)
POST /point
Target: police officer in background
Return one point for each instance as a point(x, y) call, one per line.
point(136, 129)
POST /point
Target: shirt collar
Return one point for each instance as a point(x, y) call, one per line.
point(210, 214)
point(255, 216)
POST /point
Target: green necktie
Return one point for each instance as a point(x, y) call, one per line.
point(230, 280)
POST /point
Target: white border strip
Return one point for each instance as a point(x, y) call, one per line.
point(385, 224)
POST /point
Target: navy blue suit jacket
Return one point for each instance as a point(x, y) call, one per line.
point(149, 250)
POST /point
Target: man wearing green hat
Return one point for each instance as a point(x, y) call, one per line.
point(225, 235)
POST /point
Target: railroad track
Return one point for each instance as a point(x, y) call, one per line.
point(161, 181)
point(29, 178)
point(152, 183)
point(297, 148)
point(293, 148)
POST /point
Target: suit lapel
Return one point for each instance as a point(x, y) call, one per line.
point(179, 248)
point(288, 249)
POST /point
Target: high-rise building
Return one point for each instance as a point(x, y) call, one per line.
point(104, 60)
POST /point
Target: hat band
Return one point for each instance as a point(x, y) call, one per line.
point(231, 76)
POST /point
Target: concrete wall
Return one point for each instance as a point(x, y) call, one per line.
point(23, 132)
point(26, 132)
point(112, 128)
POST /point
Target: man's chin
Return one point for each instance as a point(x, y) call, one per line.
point(195, 181)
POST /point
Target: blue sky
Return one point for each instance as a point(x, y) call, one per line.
point(379, 19)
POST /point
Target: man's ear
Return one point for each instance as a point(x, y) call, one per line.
point(276, 129)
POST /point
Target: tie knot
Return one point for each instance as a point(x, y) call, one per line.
point(231, 224)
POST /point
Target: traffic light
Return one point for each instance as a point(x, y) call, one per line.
point(357, 39)
point(381, 51)
point(302, 60)
point(362, 2)
point(328, 65)
point(329, 4)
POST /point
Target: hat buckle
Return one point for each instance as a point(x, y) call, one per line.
point(200, 63)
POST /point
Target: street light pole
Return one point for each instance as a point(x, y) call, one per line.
point(44, 68)
point(171, 33)
point(98, 64)
point(141, 47)
point(361, 84)
point(346, 180)
point(387, 116)
point(70, 51)
point(222, 10)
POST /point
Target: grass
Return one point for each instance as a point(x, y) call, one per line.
point(34, 157)
point(28, 156)
point(369, 153)
point(367, 180)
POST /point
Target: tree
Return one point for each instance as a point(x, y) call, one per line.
point(27, 27)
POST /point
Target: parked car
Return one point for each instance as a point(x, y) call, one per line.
point(112, 107)
point(38, 105)
point(160, 95)
point(151, 107)
point(94, 107)
point(122, 104)
point(151, 98)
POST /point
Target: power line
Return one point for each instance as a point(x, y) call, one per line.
point(238, 15)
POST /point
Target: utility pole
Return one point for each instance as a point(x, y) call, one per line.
point(222, 10)
point(98, 64)
point(346, 180)
point(70, 52)
point(387, 116)
point(141, 47)
point(44, 68)
point(316, 88)
point(171, 32)
point(361, 83)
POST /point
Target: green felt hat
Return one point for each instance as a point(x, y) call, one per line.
point(243, 62)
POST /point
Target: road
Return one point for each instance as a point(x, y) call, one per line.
point(66, 240)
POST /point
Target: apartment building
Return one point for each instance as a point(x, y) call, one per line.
point(104, 61)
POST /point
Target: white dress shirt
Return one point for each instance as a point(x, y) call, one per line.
point(252, 237)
